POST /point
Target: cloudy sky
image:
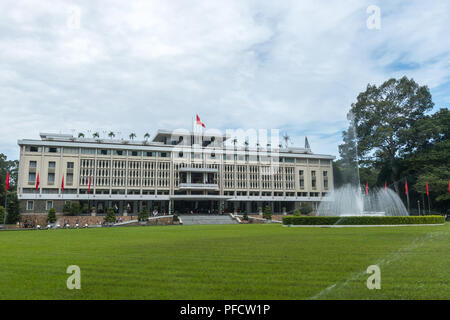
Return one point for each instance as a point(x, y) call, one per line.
point(137, 66)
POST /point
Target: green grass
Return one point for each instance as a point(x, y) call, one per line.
point(226, 262)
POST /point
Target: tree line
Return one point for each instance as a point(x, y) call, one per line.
point(394, 138)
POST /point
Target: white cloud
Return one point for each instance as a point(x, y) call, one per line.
point(144, 65)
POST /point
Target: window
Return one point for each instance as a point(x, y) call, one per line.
point(313, 180)
point(49, 205)
point(70, 150)
point(103, 152)
point(69, 165)
point(32, 149)
point(134, 153)
point(33, 164)
point(164, 154)
point(118, 153)
point(51, 178)
point(30, 205)
point(302, 179)
point(31, 176)
point(87, 151)
point(52, 164)
point(69, 179)
point(289, 160)
point(52, 149)
point(149, 154)
point(325, 173)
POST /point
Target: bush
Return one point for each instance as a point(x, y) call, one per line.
point(143, 214)
point(305, 208)
point(13, 209)
point(267, 214)
point(2, 215)
point(66, 208)
point(175, 218)
point(297, 213)
point(51, 217)
point(75, 208)
point(110, 215)
point(363, 220)
point(85, 208)
point(245, 216)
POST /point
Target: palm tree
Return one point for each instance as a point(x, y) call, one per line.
point(146, 136)
point(111, 134)
point(95, 135)
point(132, 135)
point(80, 135)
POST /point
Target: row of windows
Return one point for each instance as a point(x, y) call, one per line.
point(181, 154)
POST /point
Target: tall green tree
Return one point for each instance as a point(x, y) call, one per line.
point(384, 118)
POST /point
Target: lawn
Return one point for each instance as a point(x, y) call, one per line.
point(226, 262)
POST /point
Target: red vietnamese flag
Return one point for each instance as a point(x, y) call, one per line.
point(199, 122)
point(89, 188)
point(37, 182)
point(449, 187)
point(406, 187)
point(7, 181)
point(385, 186)
point(62, 184)
point(428, 192)
point(367, 188)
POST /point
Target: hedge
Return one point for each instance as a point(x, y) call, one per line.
point(292, 220)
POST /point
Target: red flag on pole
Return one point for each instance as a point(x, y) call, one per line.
point(406, 187)
point(89, 188)
point(7, 181)
point(428, 192)
point(367, 188)
point(199, 122)
point(62, 184)
point(385, 186)
point(37, 182)
point(449, 187)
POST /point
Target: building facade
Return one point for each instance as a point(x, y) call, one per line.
point(175, 172)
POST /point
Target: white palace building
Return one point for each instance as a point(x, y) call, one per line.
point(174, 172)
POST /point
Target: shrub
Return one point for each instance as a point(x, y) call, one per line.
point(110, 215)
point(143, 214)
point(2, 215)
point(85, 208)
point(305, 208)
point(75, 208)
point(245, 216)
point(267, 214)
point(175, 218)
point(66, 208)
point(363, 220)
point(51, 217)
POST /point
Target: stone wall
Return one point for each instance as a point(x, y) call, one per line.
point(41, 219)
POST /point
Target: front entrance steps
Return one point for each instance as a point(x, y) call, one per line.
point(196, 219)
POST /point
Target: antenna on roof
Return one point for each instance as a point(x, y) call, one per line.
point(307, 144)
point(286, 139)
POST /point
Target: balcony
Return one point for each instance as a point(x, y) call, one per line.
point(189, 169)
point(199, 186)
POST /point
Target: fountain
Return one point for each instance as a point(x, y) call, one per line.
point(349, 199)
